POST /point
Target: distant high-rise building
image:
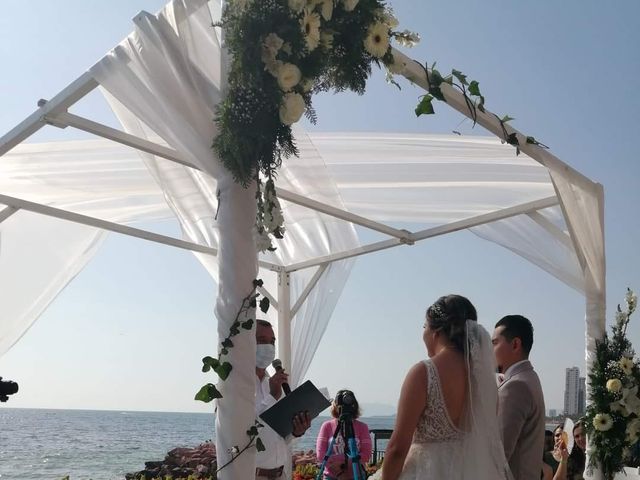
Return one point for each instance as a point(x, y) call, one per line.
point(582, 396)
point(571, 391)
point(553, 412)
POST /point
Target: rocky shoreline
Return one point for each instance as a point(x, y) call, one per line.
point(196, 463)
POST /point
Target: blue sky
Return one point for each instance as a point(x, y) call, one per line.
point(128, 333)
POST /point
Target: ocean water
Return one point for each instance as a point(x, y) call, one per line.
point(104, 445)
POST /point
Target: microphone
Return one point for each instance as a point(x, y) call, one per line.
point(277, 364)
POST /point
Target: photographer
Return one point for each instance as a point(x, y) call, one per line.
point(337, 467)
point(7, 387)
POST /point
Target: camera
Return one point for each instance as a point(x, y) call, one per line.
point(7, 387)
point(346, 402)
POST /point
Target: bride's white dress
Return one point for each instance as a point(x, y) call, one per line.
point(436, 449)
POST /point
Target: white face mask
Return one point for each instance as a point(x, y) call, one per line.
point(265, 354)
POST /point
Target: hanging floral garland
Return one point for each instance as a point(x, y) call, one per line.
point(282, 52)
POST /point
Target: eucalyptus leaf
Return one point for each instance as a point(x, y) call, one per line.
point(506, 119)
point(259, 445)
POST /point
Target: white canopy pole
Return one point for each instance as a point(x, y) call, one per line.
point(284, 319)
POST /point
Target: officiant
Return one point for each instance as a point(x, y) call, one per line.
point(275, 461)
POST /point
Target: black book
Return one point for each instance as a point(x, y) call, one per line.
point(305, 398)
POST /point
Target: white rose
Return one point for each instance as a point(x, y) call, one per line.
point(327, 9)
point(292, 108)
point(614, 385)
point(288, 76)
point(349, 5)
point(273, 43)
point(297, 5)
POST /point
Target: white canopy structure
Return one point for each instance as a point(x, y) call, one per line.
point(164, 82)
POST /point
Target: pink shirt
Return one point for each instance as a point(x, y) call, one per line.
point(363, 441)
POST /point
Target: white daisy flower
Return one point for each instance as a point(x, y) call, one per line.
point(614, 385)
point(310, 24)
point(603, 422)
point(377, 41)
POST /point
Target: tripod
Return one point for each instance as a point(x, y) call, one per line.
point(351, 452)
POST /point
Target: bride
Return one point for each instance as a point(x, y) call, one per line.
point(446, 426)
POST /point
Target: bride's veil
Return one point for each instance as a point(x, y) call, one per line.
point(482, 445)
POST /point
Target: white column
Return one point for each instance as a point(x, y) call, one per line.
point(238, 267)
point(284, 319)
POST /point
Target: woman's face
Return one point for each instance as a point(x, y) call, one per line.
point(429, 338)
point(557, 433)
point(580, 438)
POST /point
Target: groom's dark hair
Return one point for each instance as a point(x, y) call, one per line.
point(517, 326)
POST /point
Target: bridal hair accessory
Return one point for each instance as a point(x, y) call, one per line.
point(436, 312)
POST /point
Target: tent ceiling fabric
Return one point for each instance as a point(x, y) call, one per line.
point(109, 181)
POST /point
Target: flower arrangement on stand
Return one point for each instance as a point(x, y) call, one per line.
point(282, 52)
point(306, 471)
point(613, 413)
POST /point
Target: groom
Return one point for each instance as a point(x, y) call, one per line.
point(521, 410)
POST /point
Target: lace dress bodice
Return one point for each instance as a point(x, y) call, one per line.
point(435, 425)
point(436, 448)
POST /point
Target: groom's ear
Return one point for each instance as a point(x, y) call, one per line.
point(516, 344)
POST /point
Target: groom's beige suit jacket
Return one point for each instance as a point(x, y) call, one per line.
point(521, 414)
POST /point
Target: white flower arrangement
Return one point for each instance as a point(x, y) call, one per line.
point(305, 46)
point(613, 413)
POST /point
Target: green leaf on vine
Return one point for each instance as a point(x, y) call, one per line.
point(264, 304)
point(207, 393)
point(474, 88)
point(253, 431)
point(253, 303)
point(425, 107)
point(462, 78)
point(208, 363)
point(223, 370)
point(227, 343)
point(234, 330)
point(512, 139)
point(248, 325)
point(259, 445)
point(506, 119)
point(257, 283)
point(224, 351)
